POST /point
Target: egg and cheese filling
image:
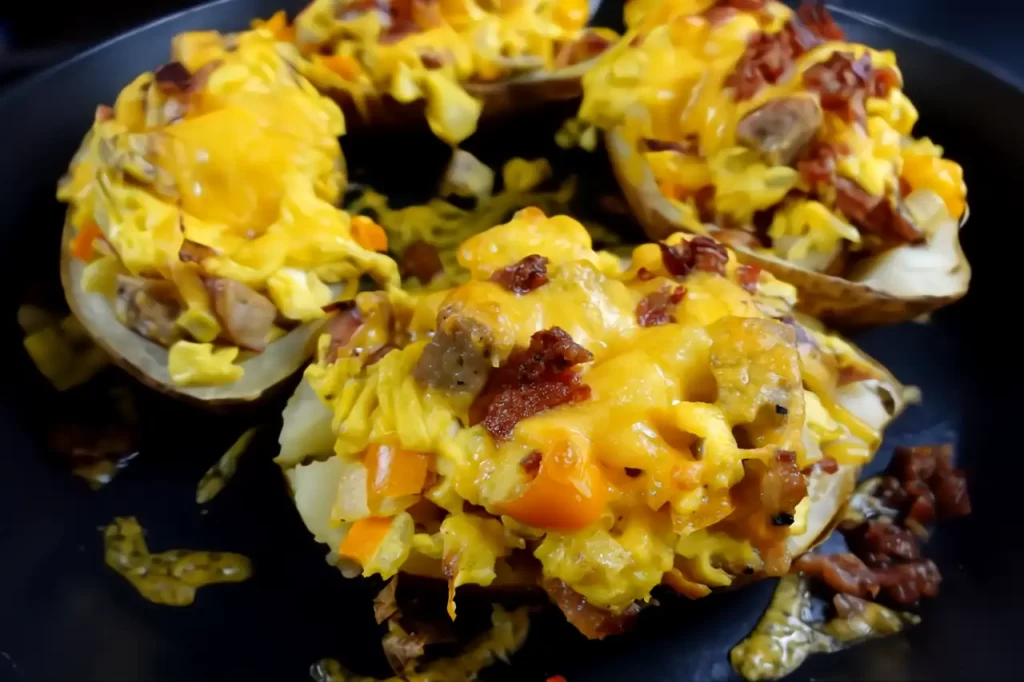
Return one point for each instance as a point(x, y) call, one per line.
point(615, 426)
point(770, 130)
point(204, 202)
point(414, 50)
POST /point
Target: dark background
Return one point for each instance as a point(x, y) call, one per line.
point(35, 34)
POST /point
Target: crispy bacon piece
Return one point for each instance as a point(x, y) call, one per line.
point(817, 165)
point(844, 573)
point(816, 17)
point(653, 309)
point(748, 276)
point(420, 260)
point(882, 82)
point(700, 253)
point(906, 583)
point(174, 78)
point(688, 146)
point(842, 83)
point(532, 380)
point(930, 482)
point(877, 215)
point(525, 276)
point(644, 275)
point(341, 329)
point(591, 621)
point(879, 542)
point(767, 59)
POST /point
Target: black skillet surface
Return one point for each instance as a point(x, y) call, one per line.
point(63, 615)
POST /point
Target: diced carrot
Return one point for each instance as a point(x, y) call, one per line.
point(369, 234)
point(393, 472)
point(342, 64)
point(82, 244)
point(364, 538)
point(568, 493)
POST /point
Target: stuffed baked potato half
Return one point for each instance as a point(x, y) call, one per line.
point(593, 427)
point(394, 62)
point(767, 130)
point(202, 242)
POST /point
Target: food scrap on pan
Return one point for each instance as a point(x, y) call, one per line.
point(460, 59)
point(884, 525)
point(202, 239)
point(566, 420)
point(768, 130)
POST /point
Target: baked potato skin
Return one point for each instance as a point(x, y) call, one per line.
point(838, 302)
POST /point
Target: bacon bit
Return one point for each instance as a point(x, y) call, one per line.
point(531, 381)
point(174, 78)
point(877, 215)
point(748, 276)
point(844, 573)
point(882, 82)
point(825, 465)
point(434, 59)
point(929, 478)
point(842, 83)
point(644, 275)
point(819, 21)
point(766, 60)
point(194, 252)
point(688, 146)
point(879, 542)
point(593, 622)
point(341, 329)
point(525, 276)
point(589, 45)
point(653, 309)
point(745, 5)
point(818, 163)
point(104, 113)
point(700, 253)
point(906, 583)
point(704, 200)
point(421, 260)
point(531, 463)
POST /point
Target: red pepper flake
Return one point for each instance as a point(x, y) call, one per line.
point(525, 276)
point(748, 276)
point(532, 380)
point(818, 20)
point(653, 309)
point(842, 84)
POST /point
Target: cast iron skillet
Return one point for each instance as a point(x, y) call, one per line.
point(64, 615)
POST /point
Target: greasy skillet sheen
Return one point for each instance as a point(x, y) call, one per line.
point(392, 61)
point(595, 427)
point(772, 133)
point(202, 240)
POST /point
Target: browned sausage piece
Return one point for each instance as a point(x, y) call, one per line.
point(456, 360)
point(780, 129)
point(245, 315)
point(149, 307)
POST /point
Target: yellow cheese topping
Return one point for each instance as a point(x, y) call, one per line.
point(413, 50)
point(224, 164)
point(642, 479)
point(668, 80)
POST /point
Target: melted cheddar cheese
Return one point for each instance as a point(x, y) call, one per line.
point(412, 50)
point(669, 80)
point(637, 482)
point(232, 174)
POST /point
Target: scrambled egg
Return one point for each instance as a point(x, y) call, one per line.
point(204, 204)
point(410, 50)
point(646, 479)
point(670, 88)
